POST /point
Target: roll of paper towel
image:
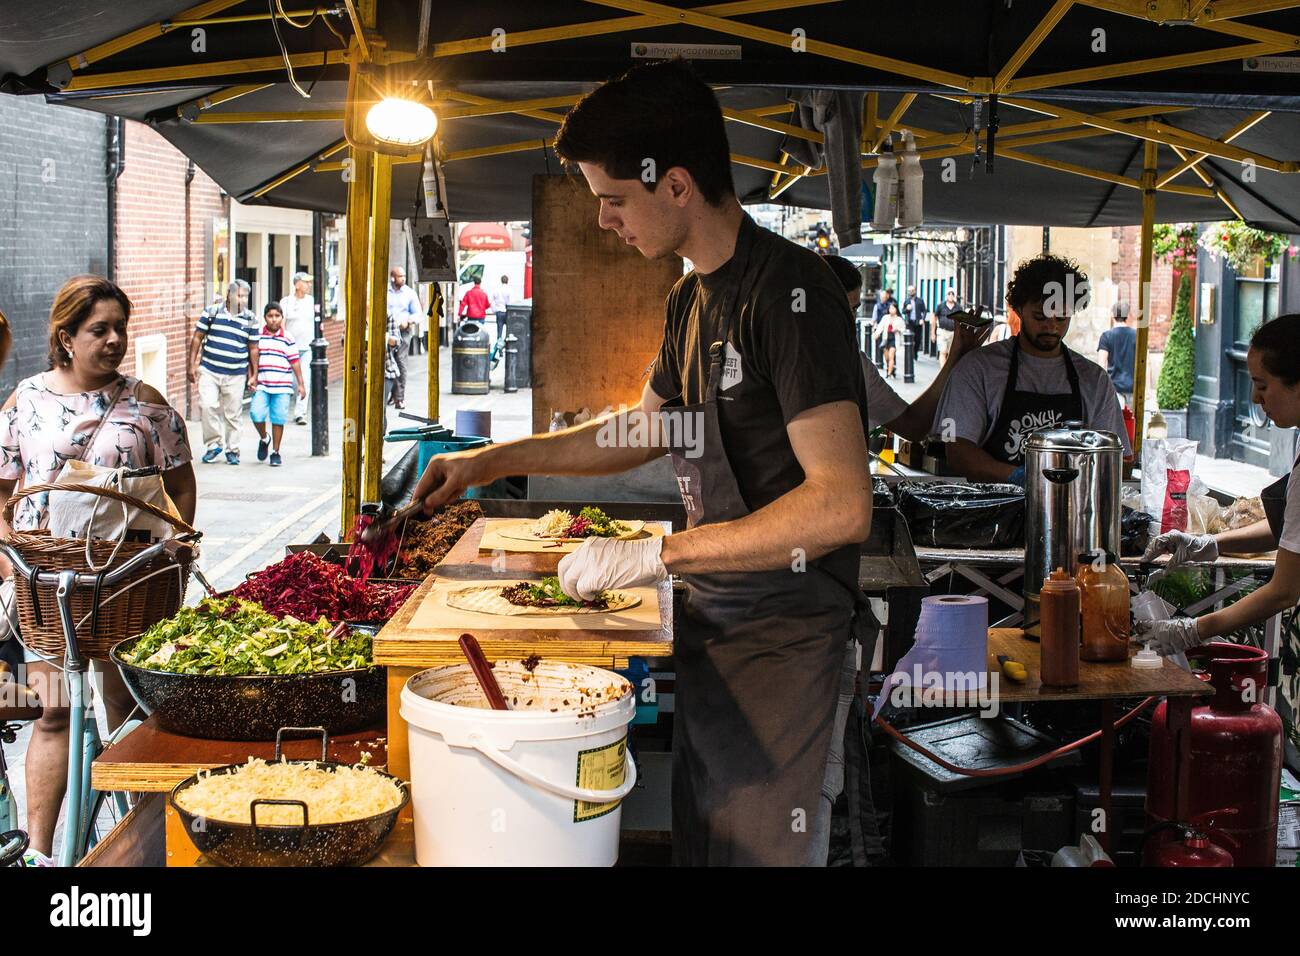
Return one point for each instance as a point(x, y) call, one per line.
point(951, 649)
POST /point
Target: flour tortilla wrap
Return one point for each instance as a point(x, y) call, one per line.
point(488, 599)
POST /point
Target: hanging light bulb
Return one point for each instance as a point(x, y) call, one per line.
point(401, 122)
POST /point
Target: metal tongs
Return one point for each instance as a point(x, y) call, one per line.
point(373, 536)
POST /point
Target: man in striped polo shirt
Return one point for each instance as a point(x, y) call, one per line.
point(279, 376)
point(224, 349)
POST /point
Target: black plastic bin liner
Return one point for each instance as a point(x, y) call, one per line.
point(1134, 532)
point(943, 515)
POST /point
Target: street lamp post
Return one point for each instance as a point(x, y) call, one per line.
point(320, 366)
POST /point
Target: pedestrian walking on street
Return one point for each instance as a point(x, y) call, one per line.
point(1118, 350)
point(914, 313)
point(299, 311)
point(501, 300)
point(881, 308)
point(223, 360)
point(393, 371)
point(404, 312)
point(944, 325)
point(475, 305)
point(279, 377)
point(888, 331)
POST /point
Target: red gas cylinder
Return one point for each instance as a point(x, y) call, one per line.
point(1236, 756)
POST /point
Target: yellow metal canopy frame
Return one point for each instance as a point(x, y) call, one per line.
point(370, 175)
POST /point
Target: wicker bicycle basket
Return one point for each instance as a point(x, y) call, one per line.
point(105, 615)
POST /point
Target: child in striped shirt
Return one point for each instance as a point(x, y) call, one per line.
point(278, 372)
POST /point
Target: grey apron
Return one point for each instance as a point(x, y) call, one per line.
point(757, 661)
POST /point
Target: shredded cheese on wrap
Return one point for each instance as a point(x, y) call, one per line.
point(332, 795)
point(553, 523)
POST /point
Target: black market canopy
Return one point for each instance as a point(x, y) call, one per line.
point(1038, 112)
point(1080, 86)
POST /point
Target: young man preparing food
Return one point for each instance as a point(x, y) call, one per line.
point(1002, 392)
point(759, 348)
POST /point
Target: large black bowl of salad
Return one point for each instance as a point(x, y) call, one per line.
point(227, 670)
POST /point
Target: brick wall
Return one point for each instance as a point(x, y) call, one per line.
point(1110, 256)
point(52, 217)
point(1124, 272)
point(151, 249)
point(151, 265)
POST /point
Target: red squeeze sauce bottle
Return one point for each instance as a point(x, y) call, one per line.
point(1059, 618)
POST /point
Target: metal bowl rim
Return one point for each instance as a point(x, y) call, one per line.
point(191, 780)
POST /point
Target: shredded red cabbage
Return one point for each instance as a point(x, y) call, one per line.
point(306, 586)
point(578, 527)
point(371, 555)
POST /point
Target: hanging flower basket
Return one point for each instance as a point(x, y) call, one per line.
point(1244, 247)
point(1175, 243)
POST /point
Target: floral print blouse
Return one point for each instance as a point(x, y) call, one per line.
point(45, 428)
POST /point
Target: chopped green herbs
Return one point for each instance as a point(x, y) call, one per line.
point(238, 638)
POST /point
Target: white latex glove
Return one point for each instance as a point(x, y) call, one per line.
point(1173, 636)
point(603, 564)
point(1182, 548)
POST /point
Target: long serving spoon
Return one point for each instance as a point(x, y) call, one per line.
point(483, 671)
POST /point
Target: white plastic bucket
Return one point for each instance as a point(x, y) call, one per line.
point(540, 784)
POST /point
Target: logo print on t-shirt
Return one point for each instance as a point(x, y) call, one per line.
point(1019, 428)
point(731, 371)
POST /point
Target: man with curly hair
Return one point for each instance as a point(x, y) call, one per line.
point(1004, 391)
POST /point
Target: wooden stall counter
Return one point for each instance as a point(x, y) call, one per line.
point(1106, 683)
point(1096, 681)
point(415, 638)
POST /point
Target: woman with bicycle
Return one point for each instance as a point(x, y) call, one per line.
point(82, 409)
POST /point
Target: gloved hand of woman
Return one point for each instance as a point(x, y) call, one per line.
point(1173, 636)
point(1182, 548)
point(602, 564)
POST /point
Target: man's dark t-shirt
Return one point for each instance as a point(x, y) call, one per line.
point(1120, 344)
point(944, 315)
point(794, 337)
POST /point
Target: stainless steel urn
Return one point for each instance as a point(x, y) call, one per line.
point(1072, 502)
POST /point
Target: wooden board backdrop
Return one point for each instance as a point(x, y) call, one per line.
point(598, 305)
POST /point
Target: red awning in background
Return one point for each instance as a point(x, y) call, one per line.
point(475, 236)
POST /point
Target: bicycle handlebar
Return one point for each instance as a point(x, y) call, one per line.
point(171, 546)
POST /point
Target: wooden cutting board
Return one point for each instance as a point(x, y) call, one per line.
point(411, 639)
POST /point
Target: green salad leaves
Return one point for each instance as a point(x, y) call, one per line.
point(601, 525)
point(238, 638)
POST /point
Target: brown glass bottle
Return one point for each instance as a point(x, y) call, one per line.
point(1059, 620)
point(1103, 606)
